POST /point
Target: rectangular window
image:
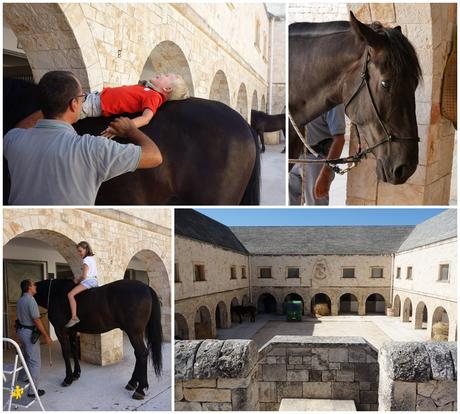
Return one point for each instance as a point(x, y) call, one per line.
point(243, 272)
point(409, 273)
point(398, 273)
point(265, 272)
point(443, 273)
point(176, 273)
point(293, 273)
point(377, 272)
point(198, 273)
point(233, 272)
point(348, 272)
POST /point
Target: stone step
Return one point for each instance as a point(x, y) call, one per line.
point(309, 404)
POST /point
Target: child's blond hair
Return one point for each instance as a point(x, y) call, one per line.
point(179, 90)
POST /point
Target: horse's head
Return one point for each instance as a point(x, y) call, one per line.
point(390, 65)
point(42, 293)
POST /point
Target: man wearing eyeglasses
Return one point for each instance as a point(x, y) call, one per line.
point(50, 164)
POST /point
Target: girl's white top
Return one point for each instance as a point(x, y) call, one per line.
point(90, 261)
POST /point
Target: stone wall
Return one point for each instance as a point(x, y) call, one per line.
point(418, 376)
point(216, 375)
point(116, 237)
point(318, 367)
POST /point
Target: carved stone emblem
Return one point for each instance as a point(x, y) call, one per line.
point(320, 269)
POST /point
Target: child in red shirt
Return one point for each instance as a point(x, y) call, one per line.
point(145, 98)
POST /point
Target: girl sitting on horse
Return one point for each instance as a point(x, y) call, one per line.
point(87, 280)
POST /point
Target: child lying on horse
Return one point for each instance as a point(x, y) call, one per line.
point(145, 97)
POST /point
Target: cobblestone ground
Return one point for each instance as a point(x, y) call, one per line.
point(101, 388)
point(273, 176)
point(375, 329)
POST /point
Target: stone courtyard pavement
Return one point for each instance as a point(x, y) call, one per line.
point(376, 329)
point(101, 388)
point(273, 176)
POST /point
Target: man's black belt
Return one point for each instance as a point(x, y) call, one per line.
point(19, 325)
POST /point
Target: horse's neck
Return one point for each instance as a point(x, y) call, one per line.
point(329, 60)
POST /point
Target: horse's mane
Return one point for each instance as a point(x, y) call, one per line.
point(400, 57)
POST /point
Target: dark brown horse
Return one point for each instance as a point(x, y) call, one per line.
point(262, 122)
point(210, 153)
point(241, 310)
point(129, 305)
point(374, 71)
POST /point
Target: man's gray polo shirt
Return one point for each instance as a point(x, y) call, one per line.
point(27, 310)
point(51, 164)
point(327, 125)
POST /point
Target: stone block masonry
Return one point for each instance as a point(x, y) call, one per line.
point(338, 368)
point(213, 375)
point(418, 376)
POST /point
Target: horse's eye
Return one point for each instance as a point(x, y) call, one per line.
point(386, 84)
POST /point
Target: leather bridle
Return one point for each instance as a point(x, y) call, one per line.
point(361, 153)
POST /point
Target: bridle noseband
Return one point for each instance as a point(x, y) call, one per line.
point(361, 153)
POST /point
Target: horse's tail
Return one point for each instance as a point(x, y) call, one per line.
point(252, 193)
point(154, 333)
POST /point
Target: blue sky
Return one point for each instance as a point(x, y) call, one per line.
point(319, 216)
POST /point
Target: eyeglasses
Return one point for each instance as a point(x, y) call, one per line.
point(84, 96)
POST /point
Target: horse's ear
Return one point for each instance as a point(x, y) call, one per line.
point(365, 33)
point(398, 28)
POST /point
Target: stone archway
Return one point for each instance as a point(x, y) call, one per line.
point(320, 305)
point(245, 300)
point(266, 303)
point(168, 57)
point(233, 303)
point(375, 304)
point(348, 304)
point(263, 105)
point(406, 315)
point(242, 101)
point(396, 306)
point(293, 296)
point(147, 266)
point(56, 37)
point(181, 331)
point(203, 326)
point(254, 101)
point(440, 325)
point(221, 316)
point(220, 90)
point(421, 316)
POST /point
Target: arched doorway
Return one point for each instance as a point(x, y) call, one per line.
point(320, 305)
point(266, 303)
point(421, 316)
point(219, 88)
point(242, 101)
point(180, 327)
point(348, 304)
point(245, 300)
point(167, 57)
point(147, 267)
point(375, 304)
point(233, 303)
point(293, 296)
point(440, 325)
point(263, 106)
point(396, 306)
point(407, 310)
point(203, 328)
point(221, 316)
point(254, 101)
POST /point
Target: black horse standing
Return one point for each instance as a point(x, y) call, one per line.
point(129, 305)
point(262, 122)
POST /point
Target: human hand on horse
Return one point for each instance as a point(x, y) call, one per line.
point(323, 183)
point(119, 127)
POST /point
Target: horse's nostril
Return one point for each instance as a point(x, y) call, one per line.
point(399, 172)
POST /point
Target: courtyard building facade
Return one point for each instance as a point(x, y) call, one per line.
point(332, 270)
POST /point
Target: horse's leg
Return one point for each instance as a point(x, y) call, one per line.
point(140, 369)
point(261, 136)
point(64, 340)
point(74, 350)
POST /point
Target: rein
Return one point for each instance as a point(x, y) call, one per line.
point(361, 153)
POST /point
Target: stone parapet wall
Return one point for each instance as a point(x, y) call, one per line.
point(340, 368)
point(418, 376)
point(213, 375)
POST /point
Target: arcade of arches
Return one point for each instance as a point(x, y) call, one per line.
point(42, 242)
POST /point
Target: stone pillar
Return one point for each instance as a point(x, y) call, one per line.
point(213, 375)
point(103, 349)
point(418, 376)
point(362, 307)
point(334, 308)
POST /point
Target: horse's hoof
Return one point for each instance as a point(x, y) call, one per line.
point(66, 383)
point(138, 396)
point(131, 386)
point(75, 376)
